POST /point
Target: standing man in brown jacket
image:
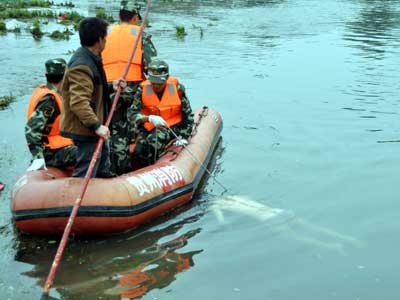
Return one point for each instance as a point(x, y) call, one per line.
point(86, 100)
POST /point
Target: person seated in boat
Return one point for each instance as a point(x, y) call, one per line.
point(42, 130)
point(160, 111)
point(120, 40)
point(86, 99)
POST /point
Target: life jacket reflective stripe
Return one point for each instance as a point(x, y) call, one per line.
point(55, 140)
point(169, 108)
point(118, 49)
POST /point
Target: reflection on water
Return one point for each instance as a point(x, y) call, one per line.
point(192, 5)
point(375, 32)
point(124, 267)
point(376, 28)
point(158, 272)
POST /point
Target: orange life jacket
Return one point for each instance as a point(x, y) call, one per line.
point(55, 140)
point(118, 49)
point(169, 108)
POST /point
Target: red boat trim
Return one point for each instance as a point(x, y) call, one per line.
point(119, 211)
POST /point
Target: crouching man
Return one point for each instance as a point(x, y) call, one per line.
point(42, 131)
point(159, 113)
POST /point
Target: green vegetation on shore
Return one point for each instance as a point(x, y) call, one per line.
point(61, 35)
point(26, 14)
point(18, 4)
point(37, 12)
point(67, 4)
point(5, 101)
point(26, 10)
point(71, 18)
point(3, 27)
point(35, 30)
point(101, 13)
point(180, 32)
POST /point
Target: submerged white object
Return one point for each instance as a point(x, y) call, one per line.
point(243, 205)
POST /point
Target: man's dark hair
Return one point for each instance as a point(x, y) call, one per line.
point(91, 30)
point(126, 15)
point(54, 78)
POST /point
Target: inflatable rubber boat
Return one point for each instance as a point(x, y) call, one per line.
point(42, 200)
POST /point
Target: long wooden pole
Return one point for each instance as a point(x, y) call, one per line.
point(78, 201)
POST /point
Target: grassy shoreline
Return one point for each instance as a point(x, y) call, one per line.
point(5, 101)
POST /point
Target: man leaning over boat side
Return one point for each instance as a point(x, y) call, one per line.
point(159, 106)
point(42, 130)
point(120, 40)
point(86, 99)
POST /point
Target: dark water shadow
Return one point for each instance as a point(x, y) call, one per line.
point(374, 34)
point(374, 29)
point(130, 264)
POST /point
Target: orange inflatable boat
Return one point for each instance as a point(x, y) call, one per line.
point(42, 200)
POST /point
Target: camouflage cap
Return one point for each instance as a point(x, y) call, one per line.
point(158, 71)
point(131, 6)
point(55, 66)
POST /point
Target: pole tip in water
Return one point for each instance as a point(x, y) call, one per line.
point(46, 296)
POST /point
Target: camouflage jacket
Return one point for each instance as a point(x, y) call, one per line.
point(148, 50)
point(184, 128)
point(46, 111)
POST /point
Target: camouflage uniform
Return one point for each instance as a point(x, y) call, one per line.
point(45, 113)
point(149, 145)
point(120, 133)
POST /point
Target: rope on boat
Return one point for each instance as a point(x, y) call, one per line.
point(201, 115)
point(198, 161)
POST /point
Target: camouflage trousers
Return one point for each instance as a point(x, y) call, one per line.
point(119, 148)
point(120, 133)
point(150, 145)
point(60, 158)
